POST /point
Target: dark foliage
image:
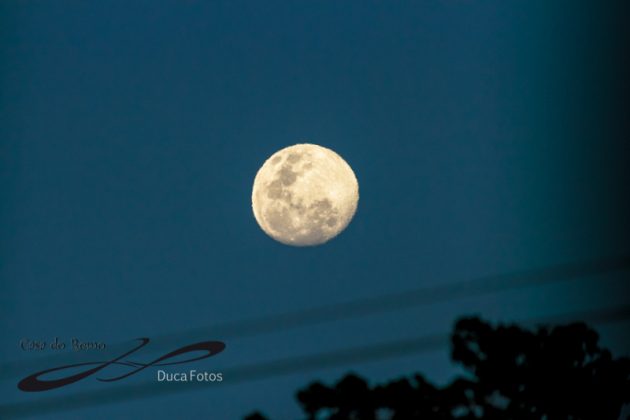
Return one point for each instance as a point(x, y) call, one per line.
point(553, 373)
point(255, 416)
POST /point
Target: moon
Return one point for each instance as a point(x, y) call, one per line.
point(304, 195)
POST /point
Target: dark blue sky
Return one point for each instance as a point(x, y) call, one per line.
point(487, 137)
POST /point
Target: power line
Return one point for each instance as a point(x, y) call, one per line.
point(285, 366)
point(410, 298)
point(361, 307)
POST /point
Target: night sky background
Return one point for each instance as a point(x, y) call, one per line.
point(488, 137)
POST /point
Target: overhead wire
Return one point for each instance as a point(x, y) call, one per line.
point(284, 366)
point(358, 308)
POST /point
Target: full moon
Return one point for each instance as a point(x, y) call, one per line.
point(304, 195)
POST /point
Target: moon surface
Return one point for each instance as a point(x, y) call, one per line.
point(304, 195)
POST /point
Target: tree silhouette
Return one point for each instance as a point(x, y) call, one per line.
point(552, 374)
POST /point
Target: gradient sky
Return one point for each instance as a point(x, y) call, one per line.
point(488, 137)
